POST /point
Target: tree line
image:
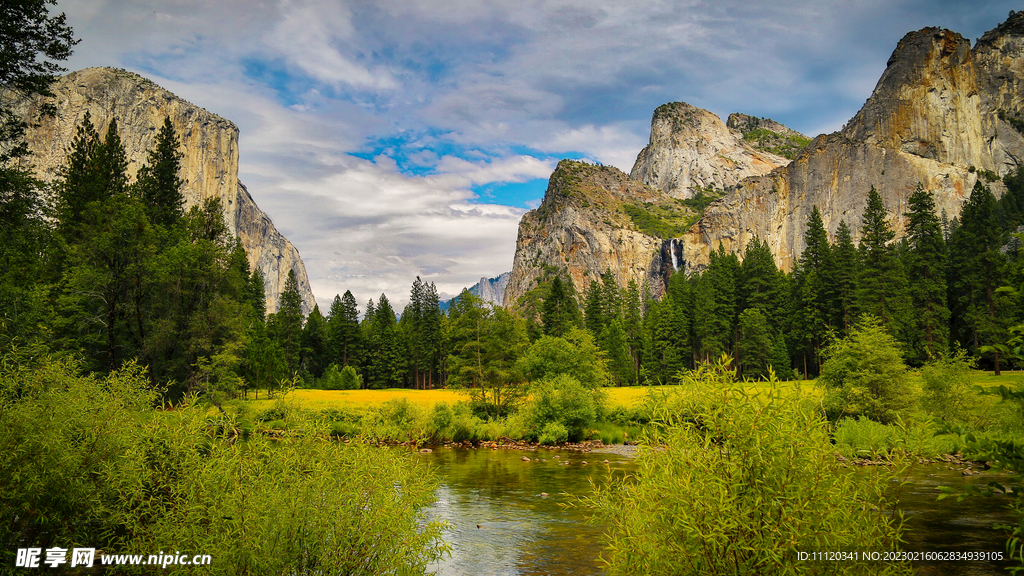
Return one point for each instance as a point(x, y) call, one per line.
point(113, 270)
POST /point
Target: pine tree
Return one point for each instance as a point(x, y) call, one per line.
point(593, 308)
point(110, 248)
point(387, 350)
point(927, 258)
point(256, 295)
point(158, 182)
point(760, 282)
point(755, 345)
point(845, 278)
point(314, 344)
point(811, 299)
point(975, 272)
point(666, 341)
point(632, 323)
point(883, 289)
point(560, 312)
point(286, 327)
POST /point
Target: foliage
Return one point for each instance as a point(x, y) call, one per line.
point(1002, 455)
point(345, 378)
point(929, 328)
point(486, 345)
point(864, 374)
point(560, 312)
point(754, 480)
point(701, 199)
point(883, 290)
point(666, 221)
point(565, 401)
point(576, 355)
point(785, 145)
point(947, 381)
point(87, 461)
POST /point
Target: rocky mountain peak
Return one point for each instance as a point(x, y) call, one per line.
point(209, 165)
point(595, 218)
point(927, 101)
point(692, 150)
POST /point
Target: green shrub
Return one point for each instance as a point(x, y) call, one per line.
point(741, 483)
point(565, 401)
point(864, 375)
point(864, 437)
point(334, 378)
point(947, 382)
point(553, 433)
point(87, 461)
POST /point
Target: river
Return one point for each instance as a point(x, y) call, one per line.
point(504, 525)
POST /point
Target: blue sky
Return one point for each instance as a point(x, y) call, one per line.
point(391, 139)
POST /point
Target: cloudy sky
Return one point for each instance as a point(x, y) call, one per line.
point(389, 139)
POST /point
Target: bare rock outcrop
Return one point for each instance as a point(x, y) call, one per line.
point(209, 166)
point(943, 114)
point(593, 219)
point(691, 148)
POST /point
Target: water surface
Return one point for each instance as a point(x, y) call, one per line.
point(502, 525)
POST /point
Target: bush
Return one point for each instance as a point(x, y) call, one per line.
point(947, 383)
point(864, 375)
point(345, 378)
point(553, 433)
point(107, 470)
point(563, 400)
point(741, 483)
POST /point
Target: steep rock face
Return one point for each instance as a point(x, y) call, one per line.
point(926, 102)
point(934, 115)
point(834, 174)
point(492, 290)
point(209, 166)
point(582, 229)
point(692, 148)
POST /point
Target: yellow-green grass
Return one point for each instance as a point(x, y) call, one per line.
point(625, 397)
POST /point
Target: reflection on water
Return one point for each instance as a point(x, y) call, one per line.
point(951, 526)
point(502, 525)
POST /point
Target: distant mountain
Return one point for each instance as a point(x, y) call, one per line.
point(943, 115)
point(491, 290)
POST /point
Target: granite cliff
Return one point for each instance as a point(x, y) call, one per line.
point(209, 166)
point(593, 219)
point(943, 114)
point(492, 290)
point(692, 149)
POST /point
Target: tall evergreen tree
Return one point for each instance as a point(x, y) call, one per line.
point(286, 325)
point(845, 277)
point(975, 272)
point(811, 298)
point(632, 323)
point(883, 288)
point(761, 283)
point(386, 349)
point(929, 329)
point(343, 335)
point(560, 312)
point(314, 344)
point(666, 341)
point(159, 182)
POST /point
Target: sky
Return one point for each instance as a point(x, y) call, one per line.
point(394, 139)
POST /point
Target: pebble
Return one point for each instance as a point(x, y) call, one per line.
point(525, 458)
point(426, 451)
